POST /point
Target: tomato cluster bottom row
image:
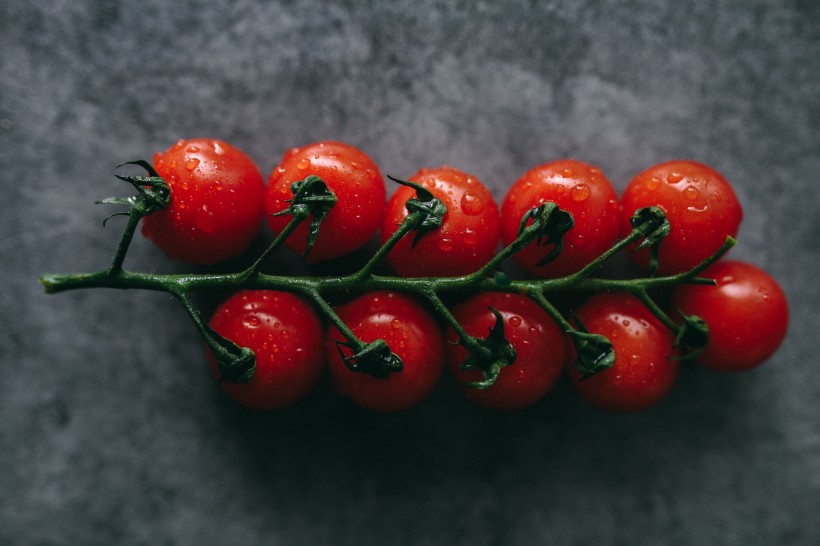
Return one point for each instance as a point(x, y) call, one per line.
point(746, 312)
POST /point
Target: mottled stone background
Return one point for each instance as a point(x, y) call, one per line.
point(111, 429)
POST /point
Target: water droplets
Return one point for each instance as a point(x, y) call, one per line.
point(192, 149)
point(395, 323)
point(674, 177)
point(303, 164)
point(515, 321)
point(653, 183)
point(691, 193)
point(445, 244)
point(533, 331)
point(253, 321)
point(206, 220)
point(218, 185)
point(580, 192)
point(470, 236)
point(191, 163)
point(472, 204)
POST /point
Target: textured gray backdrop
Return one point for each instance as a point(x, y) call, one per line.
point(111, 429)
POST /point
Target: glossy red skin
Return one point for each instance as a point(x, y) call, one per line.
point(699, 203)
point(643, 373)
point(576, 187)
point(747, 314)
point(467, 237)
point(410, 332)
point(286, 336)
point(351, 175)
point(536, 338)
point(216, 202)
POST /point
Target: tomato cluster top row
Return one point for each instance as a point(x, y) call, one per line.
point(219, 200)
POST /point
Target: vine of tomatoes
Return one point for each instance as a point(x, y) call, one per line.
point(505, 344)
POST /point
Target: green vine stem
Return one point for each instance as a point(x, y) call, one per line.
point(312, 200)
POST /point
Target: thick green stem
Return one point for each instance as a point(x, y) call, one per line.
point(410, 223)
point(134, 217)
point(299, 216)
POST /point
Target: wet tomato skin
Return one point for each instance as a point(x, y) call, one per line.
point(467, 238)
point(576, 187)
point(536, 338)
point(412, 334)
point(351, 175)
point(286, 336)
point(644, 371)
point(216, 202)
point(699, 203)
point(747, 314)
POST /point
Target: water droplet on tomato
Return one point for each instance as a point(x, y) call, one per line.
point(533, 331)
point(253, 322)
point(691, 193)
point(653, 183)
point(515, 321)
point(185, 185)
point(205, 220)
point(674, 177)
point(303, 164)
point(275, 348)
point(395, 323)
point(472, 204)
point(470, 236)
point(625, 322)
point(218, 185)
point(580, 192)
point(191, 163)
point(446, 244)
point(567, 173)
point(193, 149)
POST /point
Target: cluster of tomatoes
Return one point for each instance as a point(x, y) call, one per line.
point(219, 202)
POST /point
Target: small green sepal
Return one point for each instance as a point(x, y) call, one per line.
point(691, 337)
point(154, 193)
point(311, 196)
point(431, 208)
point(594, 351)
point(496, 353)
point(374, 358)
point(550, 224)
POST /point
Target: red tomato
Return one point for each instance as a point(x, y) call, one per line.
point(410, 332)
point(644, 371)
point(577, 188)
point(286, 336)
point(747, 314)
point(358, 186)
point(699, 203)
point(216, 202)
point(536, 338)
point(467, 237)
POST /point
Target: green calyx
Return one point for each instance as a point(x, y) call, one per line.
point(489, 355)
point(374, 358)
point(430, 209)
point(311, 197)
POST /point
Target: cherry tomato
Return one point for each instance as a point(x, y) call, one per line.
point(699, 203)
point(581, 190)
point(358, 186)
point(410, 332)
point(536, 338)
point(216, 202)
point(644, 371)
point(467, 237)
point(286, 336)
point(747, 314)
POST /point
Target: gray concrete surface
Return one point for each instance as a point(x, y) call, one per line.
point(111, 429)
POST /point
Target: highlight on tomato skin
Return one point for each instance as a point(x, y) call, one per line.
point(216, 205)
point(412, 334)
point(747, 314)
point(576, 187)
point(645, 368)
point(469, 233)
point(359, 187)
point(533, 334)
point(699, 203)
point(286, 336)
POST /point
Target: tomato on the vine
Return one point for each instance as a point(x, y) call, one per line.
point(216, 202)
point(644, 371)
point(576, 187)
point(351, 175)
point(467, 237)
point(747, 314)
point(286, 336)
point(699, 203)
point(536, 338)
point(412, 334)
